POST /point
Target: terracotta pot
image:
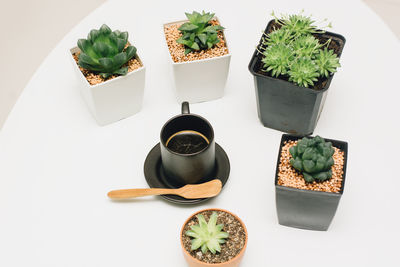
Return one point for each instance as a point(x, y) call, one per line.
point(193, 262)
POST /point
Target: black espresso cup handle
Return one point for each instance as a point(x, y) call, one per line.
point(185, 108)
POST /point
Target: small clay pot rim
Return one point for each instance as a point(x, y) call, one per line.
point(214, 264)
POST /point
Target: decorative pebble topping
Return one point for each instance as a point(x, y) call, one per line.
point(288, 176)
point(177, 51)
point(94, 78)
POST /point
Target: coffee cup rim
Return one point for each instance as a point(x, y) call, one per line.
point(211, 139)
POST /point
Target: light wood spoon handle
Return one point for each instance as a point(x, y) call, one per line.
point(190, 191)
point(132, 193)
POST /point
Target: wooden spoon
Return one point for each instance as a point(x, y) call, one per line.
point(190, 191)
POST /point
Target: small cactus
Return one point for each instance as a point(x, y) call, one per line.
point(207, 236)
point(104, 52)
point(313, 157)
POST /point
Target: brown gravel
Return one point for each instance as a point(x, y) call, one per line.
point(177, 51)
point(233, 245)
point(290, 177)
point(94, 78)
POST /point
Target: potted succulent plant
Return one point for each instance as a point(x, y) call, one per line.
point(309, 181)
point(213, 237)
point(111, 74)
point(293, 66)
point(199, 56)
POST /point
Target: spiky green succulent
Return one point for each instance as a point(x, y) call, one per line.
point(207, 236)
point(298, 24)
point(105, 52)
point(277, 59)
point(327, 62)
point(303, 72)
point(307, 60)
point(306, 46)
point(278, 36)
point(198, 33)
point(313, 157)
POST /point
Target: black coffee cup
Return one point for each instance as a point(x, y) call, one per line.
point(187, 148)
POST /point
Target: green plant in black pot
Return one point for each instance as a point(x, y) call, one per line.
point(293, 66)
point(327, 62)
point(303, 72)
point(278, 59)
point(313, 157)
point(297, 24)
point(309, 57)
point(199, 33)
point(306, 46)
point(105, 52)
point(277, 37)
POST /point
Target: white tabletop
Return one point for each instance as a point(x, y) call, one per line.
point(56, 164)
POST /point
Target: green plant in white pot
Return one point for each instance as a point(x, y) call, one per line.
point(199, 56)
point(111, 73)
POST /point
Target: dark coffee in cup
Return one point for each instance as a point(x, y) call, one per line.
point(187, 148)
point(187, 142)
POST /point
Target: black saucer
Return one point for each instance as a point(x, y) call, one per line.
point(155, 177)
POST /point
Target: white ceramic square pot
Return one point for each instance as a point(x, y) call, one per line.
point(115, 99)
point(200, 80)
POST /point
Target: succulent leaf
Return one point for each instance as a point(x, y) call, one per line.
point(298, 24)
point(121, 45)
point(293, 150)
point(196, 243)
point(303, 72)
point(277, 59)
point(84, 58)
point(308, 177)
point(130, 51)
point(314, 163)
point(106, 63)
point(207, 236)
point(297, 164)
point(327, 62)
point(104, 29)
point(104, 52)
point(93, 34)
point(279, 36)
point(198, 33)
point(306, 46)
point(188, 27)
point(203, 38)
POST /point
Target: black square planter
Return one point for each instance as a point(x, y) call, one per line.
point(284, 106)
point(307, 209)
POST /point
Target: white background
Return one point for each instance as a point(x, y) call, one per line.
point(56, 164)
